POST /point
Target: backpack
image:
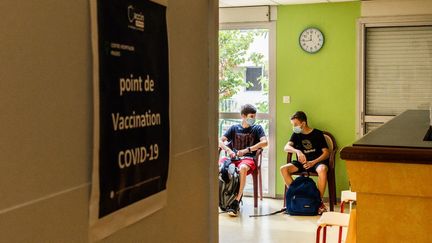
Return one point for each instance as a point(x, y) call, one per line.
point(303, 197)
point(229, 183)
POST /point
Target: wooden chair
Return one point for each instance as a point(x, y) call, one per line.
point(331, 179)
point(256, 177)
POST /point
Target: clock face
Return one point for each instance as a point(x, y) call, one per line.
point(311, 40)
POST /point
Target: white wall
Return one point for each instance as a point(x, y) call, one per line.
point(46, 124)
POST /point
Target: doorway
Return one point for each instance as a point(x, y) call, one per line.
point(247, 76)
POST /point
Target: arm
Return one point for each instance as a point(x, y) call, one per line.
point(261, 144)
point(325, 154)
point(289, 148)
point(321, 143)
point(222, 145)
point(260, 139)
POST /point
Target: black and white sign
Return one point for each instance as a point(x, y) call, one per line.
point(131, 81)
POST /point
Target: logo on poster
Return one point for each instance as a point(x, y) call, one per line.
point(136, 18)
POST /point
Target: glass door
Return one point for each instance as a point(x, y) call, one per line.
point(246, 77)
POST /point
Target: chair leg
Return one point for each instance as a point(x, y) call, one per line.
point(325, 234)
point(318, 234)
point(332, 190)
point(340, 234)
point(331, 203)
point(255, 188)
point(284, 196)
point(260, 184)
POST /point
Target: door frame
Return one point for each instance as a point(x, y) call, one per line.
point(271, 116)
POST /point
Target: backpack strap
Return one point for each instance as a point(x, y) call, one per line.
point(268, 214)
point(305, 174)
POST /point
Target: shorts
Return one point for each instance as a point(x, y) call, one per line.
point(246, 160)
point(302, 169)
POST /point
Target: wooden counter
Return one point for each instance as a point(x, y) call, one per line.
point(391, 170)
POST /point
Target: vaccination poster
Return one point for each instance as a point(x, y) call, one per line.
point(131, 113)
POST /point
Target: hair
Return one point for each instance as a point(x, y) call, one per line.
point(300, 115)
point(248, 109)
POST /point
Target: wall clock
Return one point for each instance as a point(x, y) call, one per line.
point(311, 40)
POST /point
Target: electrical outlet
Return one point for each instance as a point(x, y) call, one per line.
point(286, 99)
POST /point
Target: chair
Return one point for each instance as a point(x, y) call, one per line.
point(331, 219)
point(256, 177)
point(339, 219)
point(347, 196)
point(331, 178)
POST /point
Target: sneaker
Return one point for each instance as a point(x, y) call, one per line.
point(233, 209)
point(322, 208)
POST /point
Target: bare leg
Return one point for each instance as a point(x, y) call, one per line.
point(286, 171)
point(322, 178)
point(243, 173)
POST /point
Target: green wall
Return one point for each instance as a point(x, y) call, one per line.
point(322, 84)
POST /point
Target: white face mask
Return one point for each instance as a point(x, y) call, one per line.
point(250, 121)
point(297, 129)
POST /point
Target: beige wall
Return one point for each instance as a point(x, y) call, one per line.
point(46, 125)
point(395, 7)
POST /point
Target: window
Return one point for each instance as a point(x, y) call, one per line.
point(396, 70)
point(246, 76)
point(253, 78)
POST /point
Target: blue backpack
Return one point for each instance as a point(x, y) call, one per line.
point(303, 197)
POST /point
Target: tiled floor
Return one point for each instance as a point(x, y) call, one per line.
point(268, 229)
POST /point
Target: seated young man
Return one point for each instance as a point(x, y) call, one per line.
point(247, 138)
point(312, 153)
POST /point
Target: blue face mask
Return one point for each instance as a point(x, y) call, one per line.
point(250, 121)
point(297, 129)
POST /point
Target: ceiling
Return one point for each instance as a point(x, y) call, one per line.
point(237, 3)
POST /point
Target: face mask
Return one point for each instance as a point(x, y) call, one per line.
point(297, 129)
point(250, 121)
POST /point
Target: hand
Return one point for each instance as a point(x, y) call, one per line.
point(301, 157)
point(242, 152)
point(231, 154)
point(308, 165)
